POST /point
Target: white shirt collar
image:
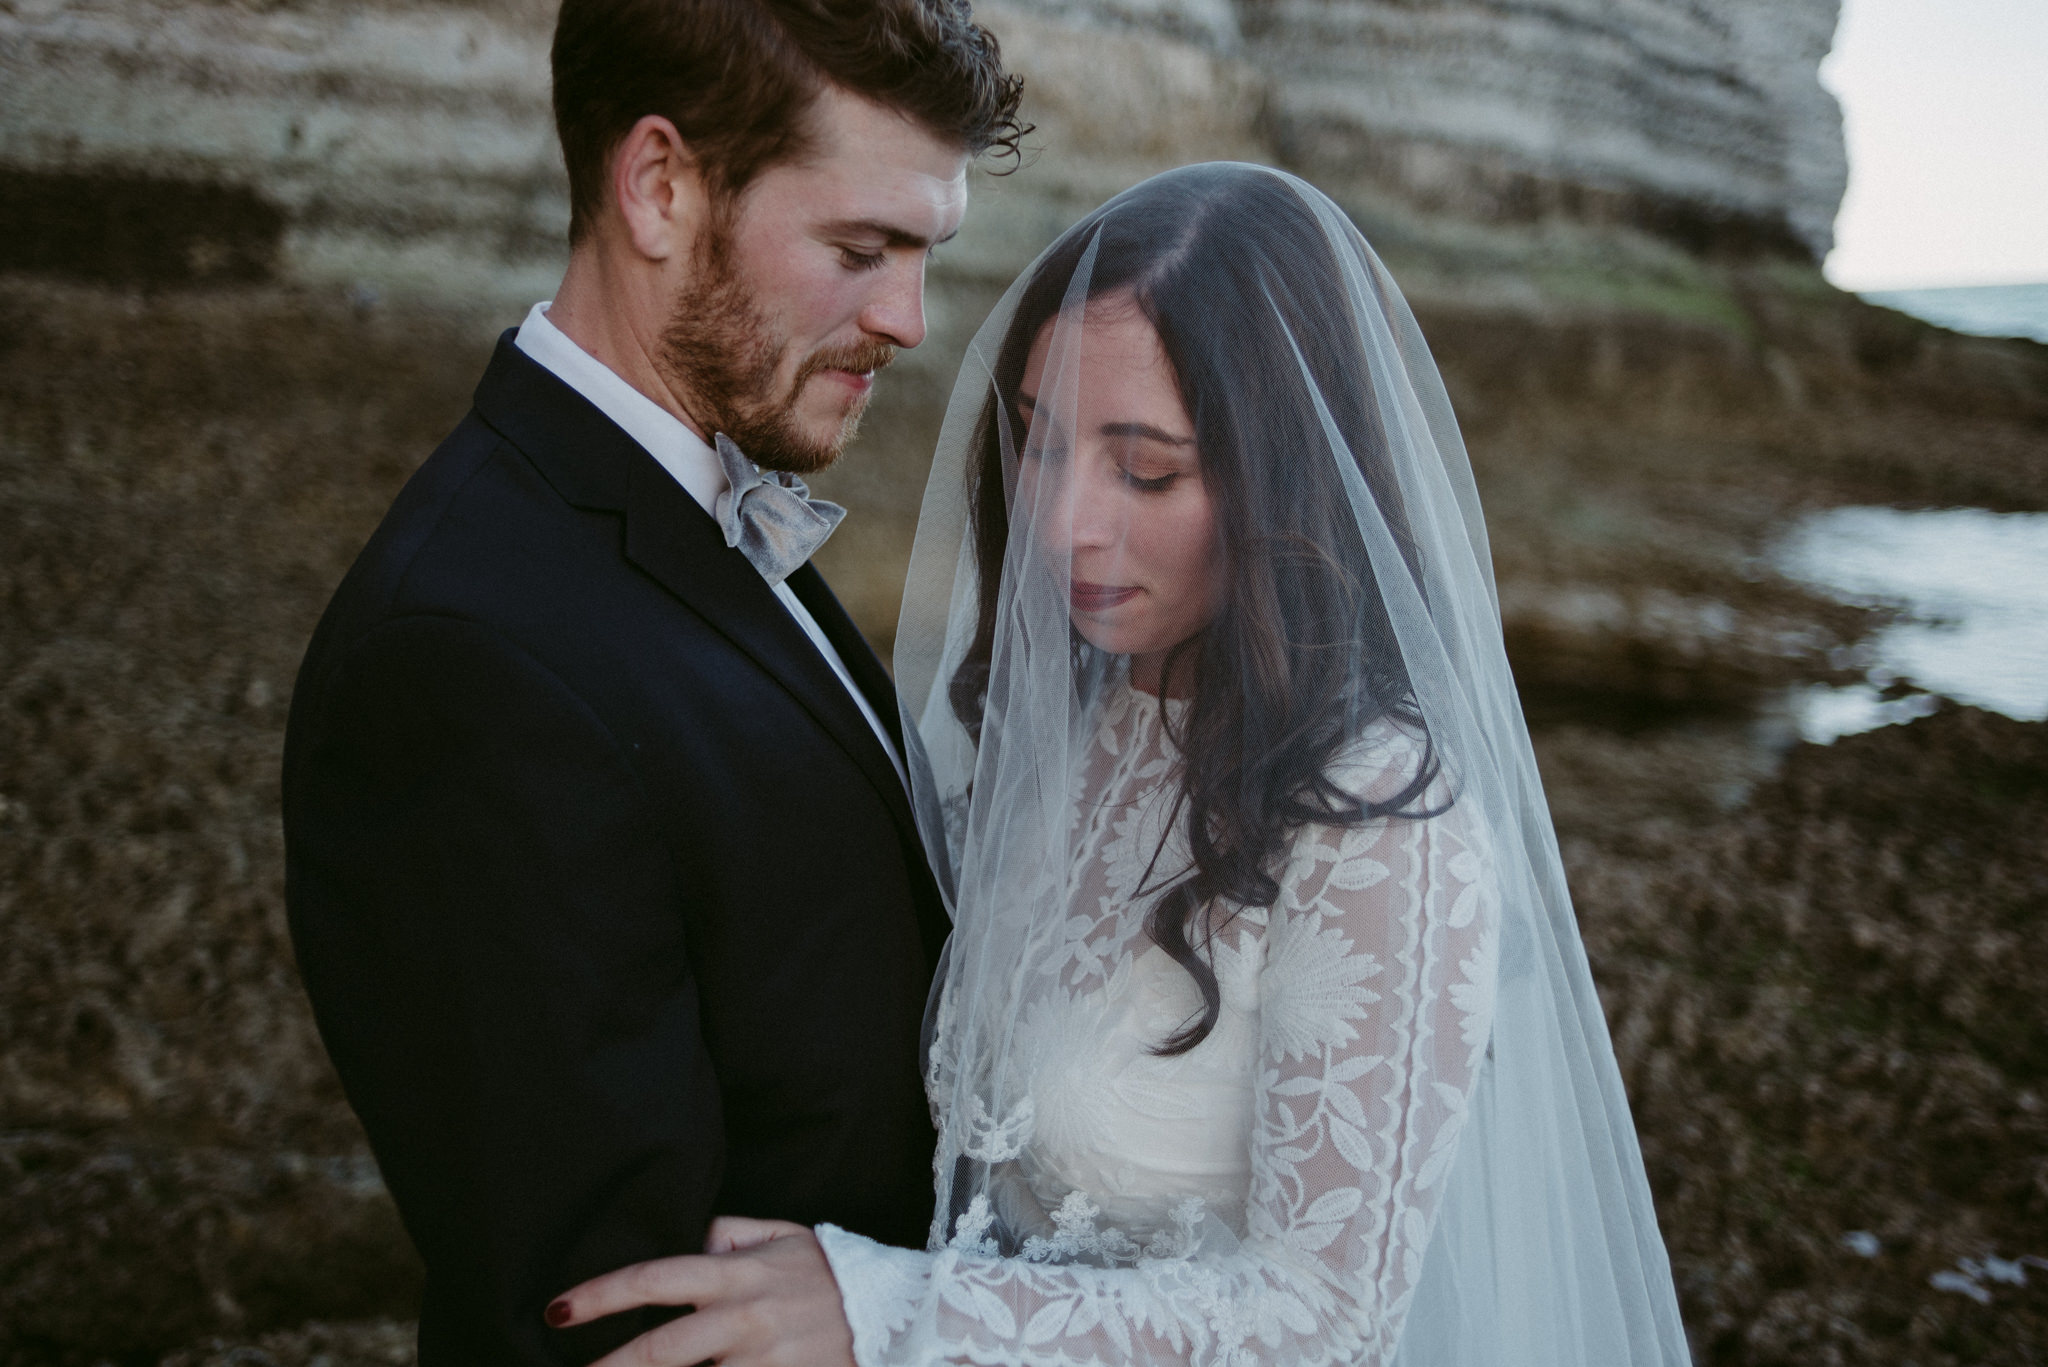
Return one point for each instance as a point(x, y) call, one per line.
point(681, 452)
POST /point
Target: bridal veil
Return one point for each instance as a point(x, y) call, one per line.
point(1444, 1170)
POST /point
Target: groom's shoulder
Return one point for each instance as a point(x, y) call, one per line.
point(478, 534)
point(473, 514)
point(510, 503)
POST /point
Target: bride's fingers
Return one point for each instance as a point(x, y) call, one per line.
point(731, 1233)
point(693, 1339)
point(695, 1280)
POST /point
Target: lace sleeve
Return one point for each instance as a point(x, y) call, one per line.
point(1376, 1007)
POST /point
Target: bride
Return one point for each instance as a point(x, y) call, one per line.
point(1265, 1034)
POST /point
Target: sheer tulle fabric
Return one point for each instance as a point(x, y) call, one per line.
point(1401, 1136)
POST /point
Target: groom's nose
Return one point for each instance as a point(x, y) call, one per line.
point(895, 311)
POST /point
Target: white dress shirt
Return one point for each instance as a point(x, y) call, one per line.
point(682, 453)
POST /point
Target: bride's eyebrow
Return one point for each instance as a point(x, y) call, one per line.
point(1145, 430)
point(1121, 429)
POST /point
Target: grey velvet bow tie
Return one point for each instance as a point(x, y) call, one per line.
point(769, 516)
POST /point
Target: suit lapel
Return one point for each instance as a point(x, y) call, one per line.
point(934, 924)
point(674, 541)
point(592, 463)
point(854, 651)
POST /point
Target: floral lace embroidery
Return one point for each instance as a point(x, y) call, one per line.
point(1363, 1001)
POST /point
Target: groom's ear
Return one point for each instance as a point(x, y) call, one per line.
point(659, 189)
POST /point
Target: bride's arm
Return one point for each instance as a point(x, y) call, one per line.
point(1376, 1002)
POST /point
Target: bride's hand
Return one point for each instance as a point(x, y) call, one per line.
point(732, 1233)
point(773, 1303)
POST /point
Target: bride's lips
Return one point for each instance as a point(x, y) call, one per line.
point(1098, 597)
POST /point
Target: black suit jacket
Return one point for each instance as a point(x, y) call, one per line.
point(609, 903)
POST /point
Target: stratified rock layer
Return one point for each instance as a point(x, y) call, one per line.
point(408, 147)
point(401, 148)
point(1703, 122)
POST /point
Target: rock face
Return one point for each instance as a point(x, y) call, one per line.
point(403, 148)
point(406, 148)
point(1703, 122)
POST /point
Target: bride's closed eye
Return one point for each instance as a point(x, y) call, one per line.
point(1147, 461)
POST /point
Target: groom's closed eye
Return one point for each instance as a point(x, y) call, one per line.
point(864, 243)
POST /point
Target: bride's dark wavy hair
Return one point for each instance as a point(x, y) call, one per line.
point(1233, 269)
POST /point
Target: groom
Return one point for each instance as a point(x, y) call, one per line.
point(602, 873)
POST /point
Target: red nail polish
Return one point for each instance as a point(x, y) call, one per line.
point(558, 1314)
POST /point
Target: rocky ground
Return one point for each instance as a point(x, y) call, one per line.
point(1821, 964)
point(1827, 1007)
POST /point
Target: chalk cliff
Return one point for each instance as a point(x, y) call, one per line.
point(402, 147)
point(406, 147)
point(1706, 121)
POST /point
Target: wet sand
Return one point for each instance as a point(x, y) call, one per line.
point(1821, 964)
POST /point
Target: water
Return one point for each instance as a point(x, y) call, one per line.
point(1985, 310)
point(1972, 589)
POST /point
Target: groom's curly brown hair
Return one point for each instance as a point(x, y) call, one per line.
point(738, 77)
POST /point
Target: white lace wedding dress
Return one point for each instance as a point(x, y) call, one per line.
point(1267, 1196)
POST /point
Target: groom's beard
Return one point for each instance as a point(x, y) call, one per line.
point(722, 353)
